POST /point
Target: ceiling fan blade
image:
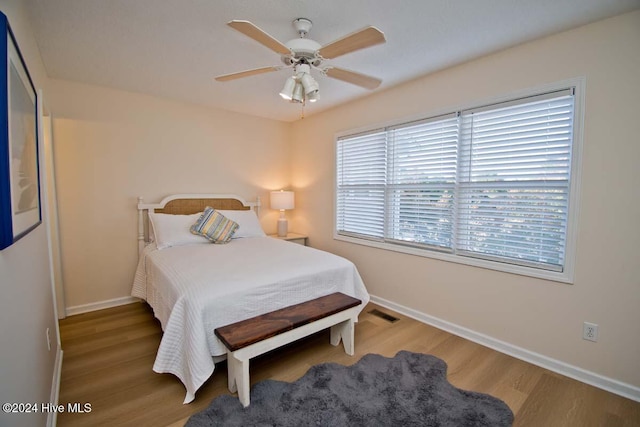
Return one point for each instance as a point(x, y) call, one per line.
point(354, 78)
point(247, 73)
point(250, 30)
point(369, 36)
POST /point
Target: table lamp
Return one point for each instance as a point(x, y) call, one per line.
point(282, 200)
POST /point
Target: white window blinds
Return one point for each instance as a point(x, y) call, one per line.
point(490, 183)
point(515, 164)
point(361, 178)
point(421, 182)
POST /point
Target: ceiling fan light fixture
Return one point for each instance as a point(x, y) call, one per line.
point(298, 93)
point(309, 83)
point(313, 96)
point(288, 88)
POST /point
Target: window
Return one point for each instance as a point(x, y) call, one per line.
point(487, 186)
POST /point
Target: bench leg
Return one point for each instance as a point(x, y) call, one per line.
point(344, 330)
point(238, 373)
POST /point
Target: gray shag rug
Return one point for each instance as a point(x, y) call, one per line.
point(410, 389)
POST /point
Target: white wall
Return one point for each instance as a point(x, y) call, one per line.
point(26, 306)
point(112, 147)
point(537, 315)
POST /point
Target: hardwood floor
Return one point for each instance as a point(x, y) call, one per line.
point(108, 356)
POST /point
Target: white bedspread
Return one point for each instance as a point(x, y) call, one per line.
point(196, 288)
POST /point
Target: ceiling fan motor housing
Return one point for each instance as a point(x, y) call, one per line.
point(304, 51)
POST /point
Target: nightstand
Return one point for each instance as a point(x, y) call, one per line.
point(292, 237)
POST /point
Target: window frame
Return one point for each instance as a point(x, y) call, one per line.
point(564, 276)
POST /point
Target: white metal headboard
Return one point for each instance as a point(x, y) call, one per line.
point(151, 207)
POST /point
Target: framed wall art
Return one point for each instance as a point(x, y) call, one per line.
point(20, 210)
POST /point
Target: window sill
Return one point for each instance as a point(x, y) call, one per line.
point(563, 277)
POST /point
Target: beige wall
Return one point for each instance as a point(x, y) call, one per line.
point(27, 306)
point(112, 146)
point(537, 315)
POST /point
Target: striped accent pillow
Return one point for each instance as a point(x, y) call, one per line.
point(214, 226)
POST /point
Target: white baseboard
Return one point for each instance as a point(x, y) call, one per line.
point(52, 418)
point(609, 384)
point(85, 308)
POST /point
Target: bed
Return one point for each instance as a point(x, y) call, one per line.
point(195, 286)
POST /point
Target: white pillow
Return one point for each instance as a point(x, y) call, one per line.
point(173, 230)
point(249, 225)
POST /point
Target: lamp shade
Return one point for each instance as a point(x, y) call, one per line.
point(313, 96)
point(287, 90)
point(298, 93)
point(309, 83)
point(282, 200)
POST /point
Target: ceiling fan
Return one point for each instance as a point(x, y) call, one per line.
point(303, 54)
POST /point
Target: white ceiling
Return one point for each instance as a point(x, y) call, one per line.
point(174, 48)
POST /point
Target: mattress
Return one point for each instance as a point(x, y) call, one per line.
point(196, 288)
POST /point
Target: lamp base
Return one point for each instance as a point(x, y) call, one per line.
point(283, 226)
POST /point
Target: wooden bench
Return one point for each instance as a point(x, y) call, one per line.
point(258, 335)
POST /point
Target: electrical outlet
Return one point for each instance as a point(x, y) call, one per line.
point(590, 332)
point(48, 340)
